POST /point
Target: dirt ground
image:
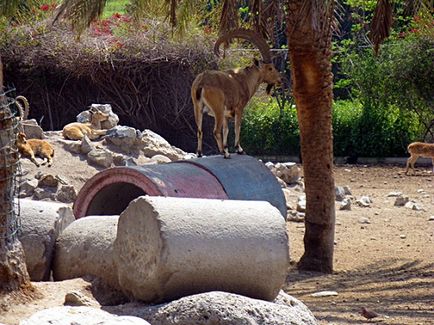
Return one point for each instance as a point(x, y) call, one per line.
point(386, 265)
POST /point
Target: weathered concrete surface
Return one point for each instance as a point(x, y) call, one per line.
point(168, 248)
point(41, 224)
point(86, 248)
point(79, 316)
point(222, 308)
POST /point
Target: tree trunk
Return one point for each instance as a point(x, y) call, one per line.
point(310, 55)
point(13, 271)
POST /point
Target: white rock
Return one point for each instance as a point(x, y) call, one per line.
point(32, 129)
point(122, 136)
point(289, 172)
point(161, 159)
point(27, 188)
point(153, 144)
point(394, 194)
point(364, 220)
point(67, 315)
point(431, 218)
point(340, 193)
point(100, 157)
point(345, 204)
point(86, 145)
point(413, 206)
point(301, 204)
point(44, 194)
point(324, 294)
point(224, 308)
point(402, 236)
point(76, 298)
point(364, 201)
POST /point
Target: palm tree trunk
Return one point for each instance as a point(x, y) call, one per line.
point(13, 271)
point(310, 55)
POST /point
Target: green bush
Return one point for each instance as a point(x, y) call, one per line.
point(268, 130)
point(358, 131)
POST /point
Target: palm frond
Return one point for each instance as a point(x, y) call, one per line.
point(80, 12)
point(381, 23)
point(412, 7)
point(12, 8)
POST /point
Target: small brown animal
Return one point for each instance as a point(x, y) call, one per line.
point(419, 149)
point(77, 130)
point(368, 314)
point(35, 147)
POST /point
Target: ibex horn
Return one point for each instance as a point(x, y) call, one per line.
point(249, 35)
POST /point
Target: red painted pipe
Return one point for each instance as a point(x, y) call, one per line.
point(239, 178)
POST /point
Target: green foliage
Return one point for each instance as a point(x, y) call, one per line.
point(357, 130)
point(267, 129)
point(114, 6)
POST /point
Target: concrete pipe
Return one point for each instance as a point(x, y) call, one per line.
point(168, 248)
point(239, 178)
point(41, 224)
point(85, 247)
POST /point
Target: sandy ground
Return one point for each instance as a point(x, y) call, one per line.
point(386, 265)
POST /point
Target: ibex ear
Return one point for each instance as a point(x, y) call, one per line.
point(256, 62)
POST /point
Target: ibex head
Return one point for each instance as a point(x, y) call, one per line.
point(268, 71)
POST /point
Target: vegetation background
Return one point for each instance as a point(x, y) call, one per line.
point(382, 103)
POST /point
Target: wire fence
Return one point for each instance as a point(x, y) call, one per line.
point(10, 168)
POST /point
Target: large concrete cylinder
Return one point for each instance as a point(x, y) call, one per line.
point(239, 178)
point(168, 248)
point(85, 247)
point(41, 224)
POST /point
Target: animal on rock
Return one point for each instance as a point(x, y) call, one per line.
point(419, 149)
point(77, 130)
point(225, 94)
point(35, 147)
point(23, 107)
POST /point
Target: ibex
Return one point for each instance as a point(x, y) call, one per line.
point(77, 130)
point(225, 94)
point(35, 147)
point(419, 149)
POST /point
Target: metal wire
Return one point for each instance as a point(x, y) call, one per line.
point(10, 169)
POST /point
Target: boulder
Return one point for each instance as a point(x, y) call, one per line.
point(122, 136)
point(112, 121)
point(48, 180)
point(289, 172)
point(340, 193)
point(66, 194)
point(153, 144)
point(82, 315)
point(224, 308)
point(32, 129)
point(85, 247)
point(100, 157)
point(169, 247)
point(41, 224)
point(86, 145)
point(345, 204)
point(27, 188)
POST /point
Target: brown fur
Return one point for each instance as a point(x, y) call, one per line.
point(77, 130)
point(35, 147)
point(224, 94)
point(419, 149)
